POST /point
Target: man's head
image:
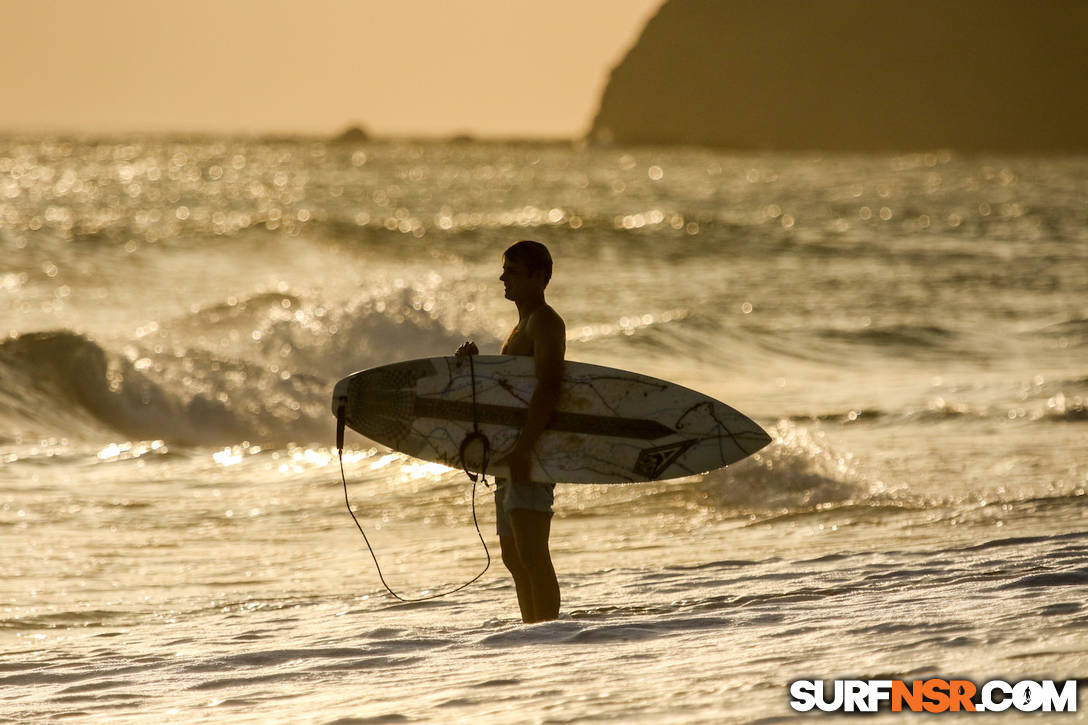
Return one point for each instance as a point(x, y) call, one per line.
point(526, 265)
point(533, 255)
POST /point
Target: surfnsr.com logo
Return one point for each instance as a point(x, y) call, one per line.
point(933, 695)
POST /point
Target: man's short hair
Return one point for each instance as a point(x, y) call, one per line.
point(533, 255)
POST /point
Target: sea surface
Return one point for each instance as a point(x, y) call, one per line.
point(911, 329)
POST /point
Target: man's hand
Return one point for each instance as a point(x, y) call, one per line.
point(519, 463)
point(468, 347)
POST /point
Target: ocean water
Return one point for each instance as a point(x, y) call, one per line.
point(913, 331)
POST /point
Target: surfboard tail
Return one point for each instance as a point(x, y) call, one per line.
point(340, 395)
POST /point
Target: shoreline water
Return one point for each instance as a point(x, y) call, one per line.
point(911, 330)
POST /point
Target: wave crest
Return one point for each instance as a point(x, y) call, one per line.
point(259, 368)
point(799, 470)
point(66, 383)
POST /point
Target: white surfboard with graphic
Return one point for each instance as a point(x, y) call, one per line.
point(610, 426)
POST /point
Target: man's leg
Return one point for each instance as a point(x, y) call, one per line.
point(522, 583)
point(531, 531)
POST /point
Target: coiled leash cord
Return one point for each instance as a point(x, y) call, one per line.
point(475, 435)
point(341, 415)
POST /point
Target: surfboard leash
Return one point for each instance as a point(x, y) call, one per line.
point(475, 435)
point(341, 416)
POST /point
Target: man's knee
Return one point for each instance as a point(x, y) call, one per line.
point(531, 530)
point(535, 558)
point(510, 556)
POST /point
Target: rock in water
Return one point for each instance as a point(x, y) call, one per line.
point(352, 134)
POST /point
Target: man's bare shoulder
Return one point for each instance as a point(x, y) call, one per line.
point(546, 320)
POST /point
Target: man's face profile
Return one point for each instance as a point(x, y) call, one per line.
point(517, 280)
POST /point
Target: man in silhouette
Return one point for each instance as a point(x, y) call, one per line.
point(523, 508)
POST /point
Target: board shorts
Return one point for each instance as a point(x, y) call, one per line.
point(529, 496)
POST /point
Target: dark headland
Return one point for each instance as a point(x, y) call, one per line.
point(855, 75)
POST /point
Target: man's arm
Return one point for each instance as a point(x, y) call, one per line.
point(549, 346)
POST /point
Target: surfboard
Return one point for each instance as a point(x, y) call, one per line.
point(610, 425)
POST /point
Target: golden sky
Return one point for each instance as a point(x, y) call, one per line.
point(432, 67)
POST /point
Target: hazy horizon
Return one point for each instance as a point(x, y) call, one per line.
point(486, 68)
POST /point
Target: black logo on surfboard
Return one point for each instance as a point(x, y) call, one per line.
point(652, 462)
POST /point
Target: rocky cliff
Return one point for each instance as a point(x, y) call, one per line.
point(864, 75)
